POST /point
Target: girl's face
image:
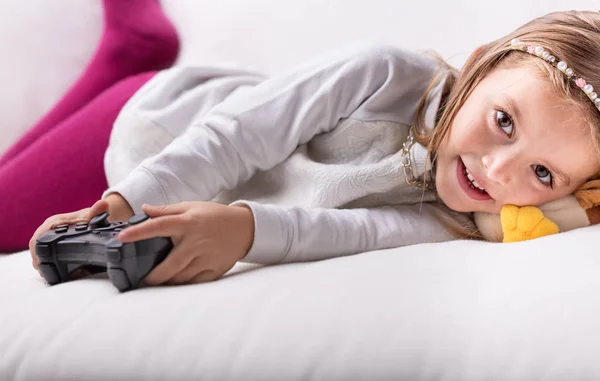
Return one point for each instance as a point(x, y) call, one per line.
point(516, 138)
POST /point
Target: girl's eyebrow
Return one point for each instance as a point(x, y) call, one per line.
point(564, 179)
point(515, 112)
point(511, 107)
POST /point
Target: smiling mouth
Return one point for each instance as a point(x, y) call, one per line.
point(469, 185)
point(472, 182)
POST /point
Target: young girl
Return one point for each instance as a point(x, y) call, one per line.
point(365, 148)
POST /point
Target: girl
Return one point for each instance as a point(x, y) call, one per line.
point(362, 149)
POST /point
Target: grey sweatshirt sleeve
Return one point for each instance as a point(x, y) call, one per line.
point(260, 127)
point(295, 234)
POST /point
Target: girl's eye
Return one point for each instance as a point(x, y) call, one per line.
point(543, 174)
point(504, 122)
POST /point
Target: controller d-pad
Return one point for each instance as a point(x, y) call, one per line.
point(138, 219)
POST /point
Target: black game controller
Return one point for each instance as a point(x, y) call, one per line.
point(96, 245)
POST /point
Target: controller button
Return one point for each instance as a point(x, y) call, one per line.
point(50, 273)
point(62, 226)
point(80, 227)
point(100, 221)
point(61, 229)
point(138, 219)
point(119, 279)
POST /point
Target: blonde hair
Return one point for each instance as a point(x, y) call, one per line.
point(572, 36)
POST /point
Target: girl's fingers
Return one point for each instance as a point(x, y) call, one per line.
point(189, 272)
point(166, 226)
point(99, 207)
point(165, 210)
point(51, 223)
point(177, 260)
point(204, 276)
point(83, 215)
point(39, 231)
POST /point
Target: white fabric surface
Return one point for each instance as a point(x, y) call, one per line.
point(457, 311)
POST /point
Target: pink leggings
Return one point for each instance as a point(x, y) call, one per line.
point(58, 165)
point(62, 170)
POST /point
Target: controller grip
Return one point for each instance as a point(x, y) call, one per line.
point(129, 263)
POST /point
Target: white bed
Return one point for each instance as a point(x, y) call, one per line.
point(463, 311)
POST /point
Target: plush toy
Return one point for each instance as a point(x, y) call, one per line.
point(515, 223)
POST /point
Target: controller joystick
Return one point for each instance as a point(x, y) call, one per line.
point(100, 221)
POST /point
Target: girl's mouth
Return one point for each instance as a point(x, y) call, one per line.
point(468, 183)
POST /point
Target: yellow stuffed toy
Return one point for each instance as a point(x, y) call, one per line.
point(516, 223)
point(523, 223)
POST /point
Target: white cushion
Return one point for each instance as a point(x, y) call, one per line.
point(460, 311)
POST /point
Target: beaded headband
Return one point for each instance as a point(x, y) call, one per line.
point(561, 65)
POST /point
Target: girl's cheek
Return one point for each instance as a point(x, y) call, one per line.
point(469, 132)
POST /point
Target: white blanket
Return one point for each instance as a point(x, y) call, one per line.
point(452, 311)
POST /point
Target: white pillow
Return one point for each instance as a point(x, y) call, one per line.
point(459, 311)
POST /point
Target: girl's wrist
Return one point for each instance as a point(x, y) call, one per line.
point(246, 230)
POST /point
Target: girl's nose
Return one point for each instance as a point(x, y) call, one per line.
point(497, 166)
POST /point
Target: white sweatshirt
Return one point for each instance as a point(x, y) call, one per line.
point(314, 152)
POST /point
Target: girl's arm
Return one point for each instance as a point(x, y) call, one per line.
point(295, 234)
point(209, 238)
point(259, 127)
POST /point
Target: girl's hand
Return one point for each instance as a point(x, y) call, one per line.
point(83, 215)
point(208, 239)
point(115, 204)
